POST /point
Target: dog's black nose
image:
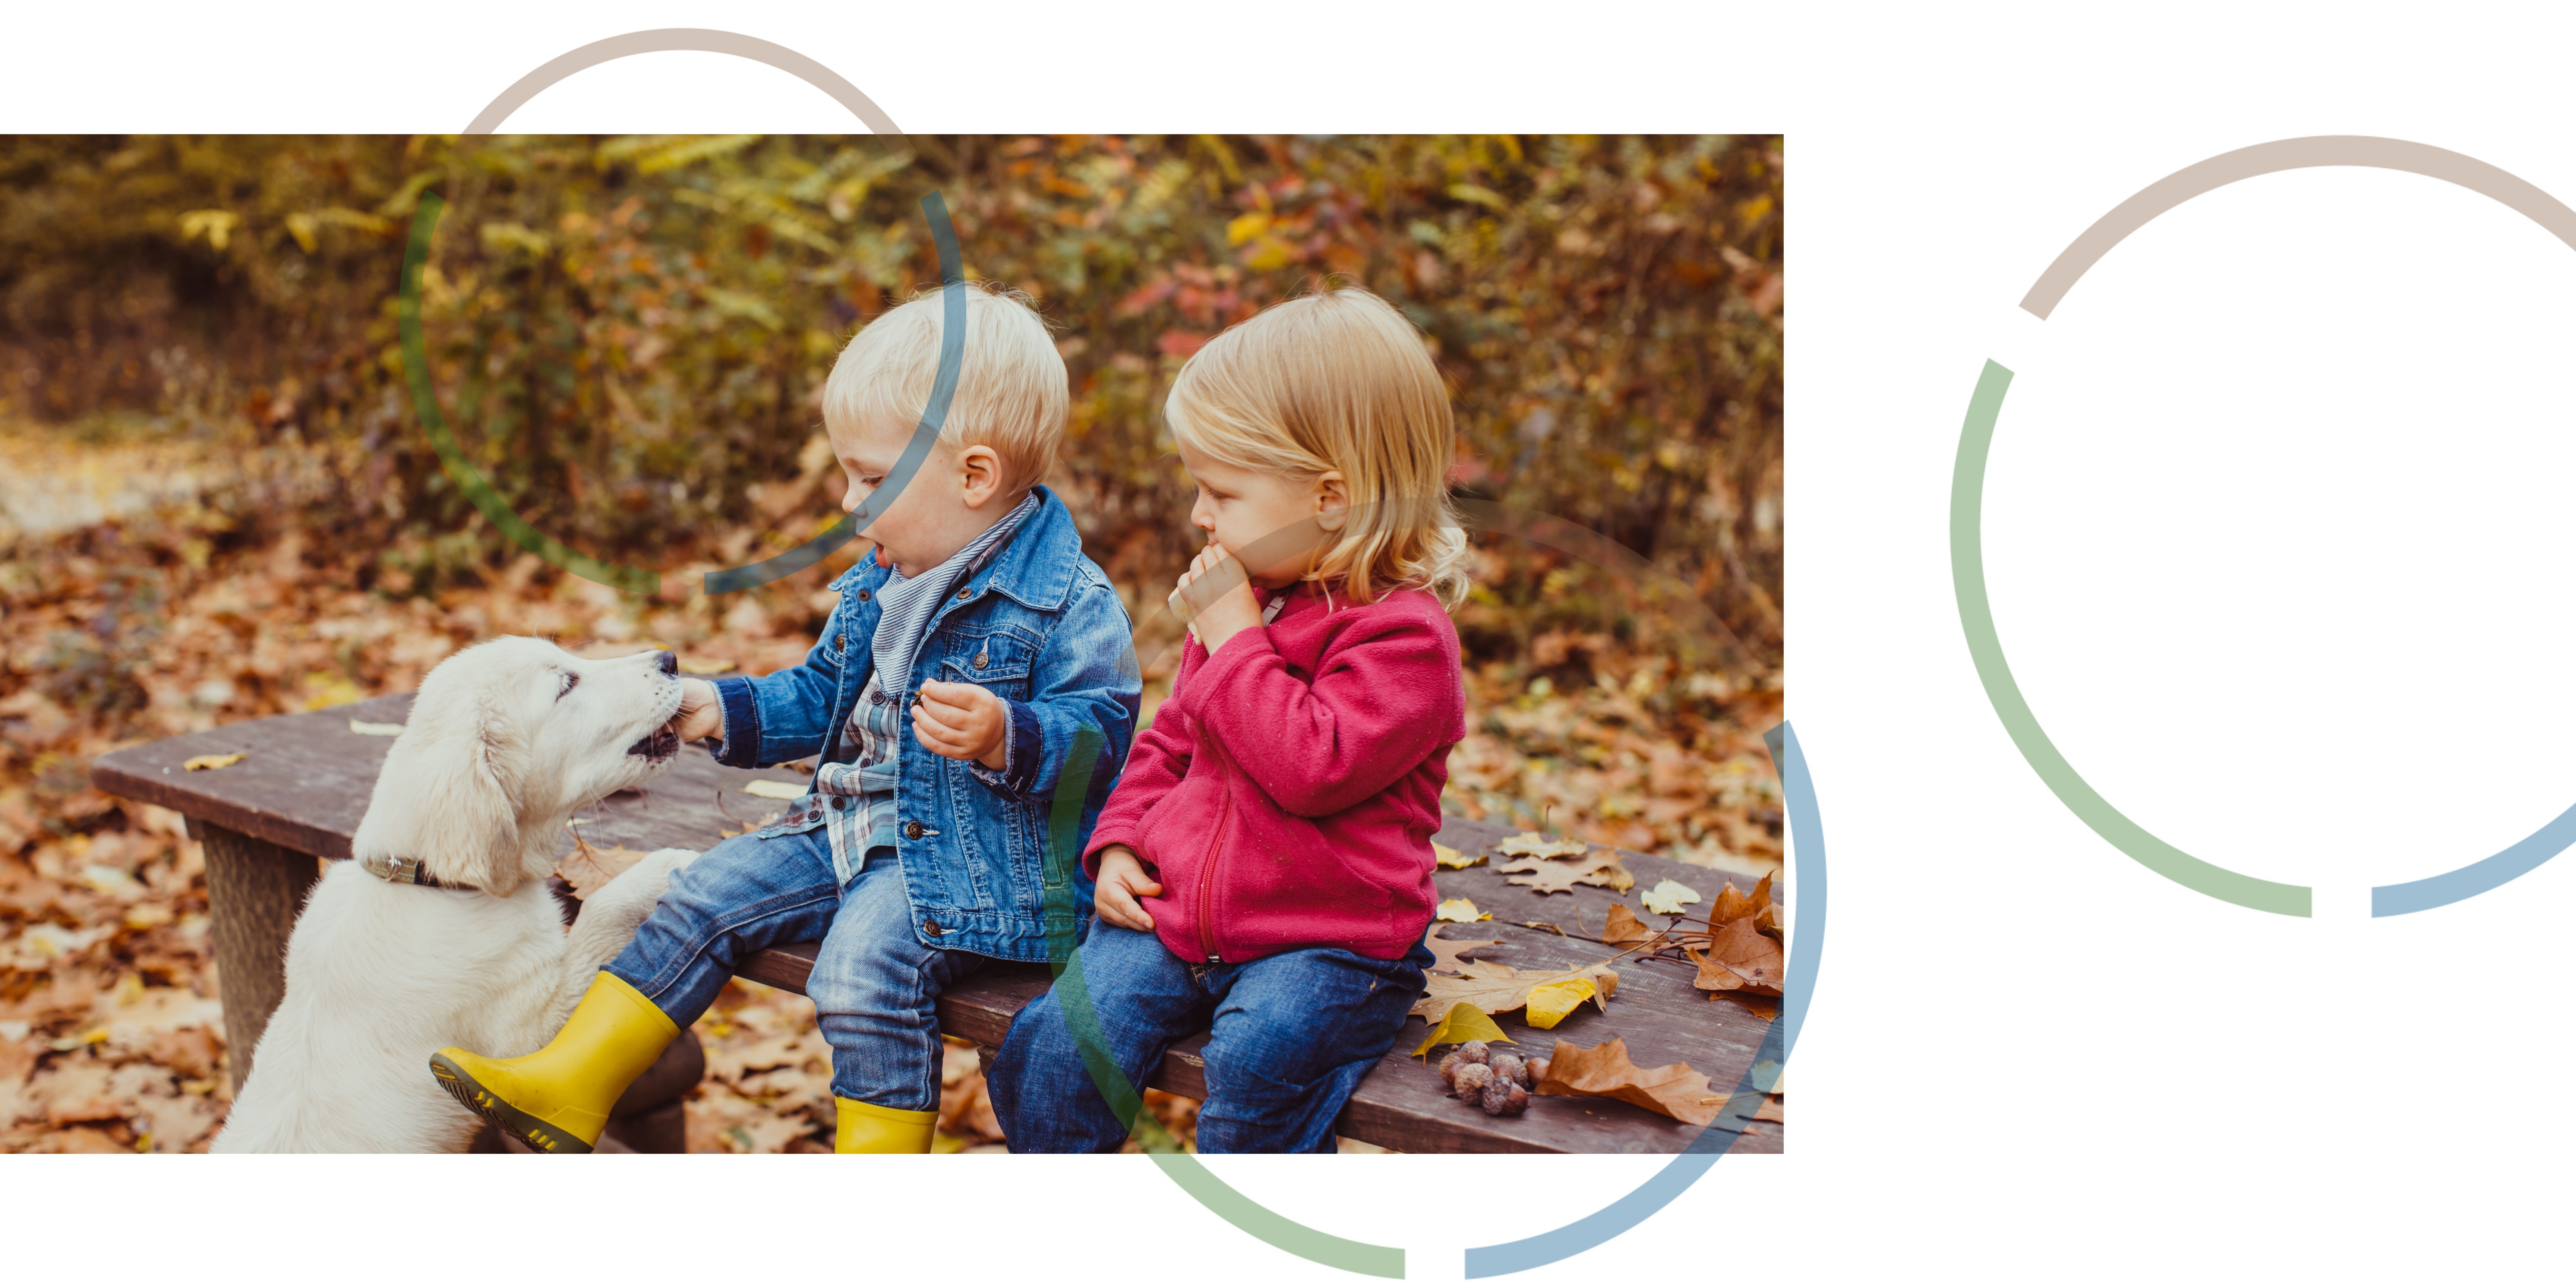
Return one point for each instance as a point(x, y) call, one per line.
point(668, 661)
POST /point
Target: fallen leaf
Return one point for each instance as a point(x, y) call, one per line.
point(1532, 845)
point(1733, 904)
point(216, 762)
point(588, 867)
point(1623, 929)
point(1450, 858)
point(1464, 1023)
point(704, 665)
point(1599, 868)
point(1668, 896)
point(1495, 988)
point(1462, 910)
point(1770, 1112)
point(1674, 1090)
point(375, 730)
point(1450, 954)
point(1549, 1003)
point(1740, 958)
point(773, 789)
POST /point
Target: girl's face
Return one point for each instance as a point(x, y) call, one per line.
point(1274, 524)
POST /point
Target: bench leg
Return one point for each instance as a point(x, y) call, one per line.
point(253, 891)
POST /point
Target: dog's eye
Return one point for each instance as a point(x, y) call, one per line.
point(570, 679)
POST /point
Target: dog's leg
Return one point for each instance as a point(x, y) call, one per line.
point(608, 920)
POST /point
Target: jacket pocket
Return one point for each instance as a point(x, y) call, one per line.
point(999, 662)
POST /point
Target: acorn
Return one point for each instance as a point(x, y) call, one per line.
point(1508, 1067)
point(1534, 1071)
point(1474, 1051)
point(1504, 1098)
point(1472, 1080)
point(1449, 1068)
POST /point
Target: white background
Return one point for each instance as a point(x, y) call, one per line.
point(2279, 546)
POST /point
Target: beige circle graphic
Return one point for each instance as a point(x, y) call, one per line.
point(689, 39)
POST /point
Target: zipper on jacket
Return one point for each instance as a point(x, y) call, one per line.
point(1207, 878)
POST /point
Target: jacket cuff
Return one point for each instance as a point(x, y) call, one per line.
point(739, 744)
point(1023, 751)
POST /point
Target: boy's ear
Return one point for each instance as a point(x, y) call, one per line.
point(983, 474)
point(1332, 501)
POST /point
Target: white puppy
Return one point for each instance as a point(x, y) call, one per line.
point(506, 740)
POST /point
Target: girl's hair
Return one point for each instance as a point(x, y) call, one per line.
point(1338, 380)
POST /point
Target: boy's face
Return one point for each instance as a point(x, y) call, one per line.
point(953, 497)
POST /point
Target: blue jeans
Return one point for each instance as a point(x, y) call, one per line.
point(875, 985)
point(1293, 1034)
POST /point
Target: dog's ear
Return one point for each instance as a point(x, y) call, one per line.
point(450, 789)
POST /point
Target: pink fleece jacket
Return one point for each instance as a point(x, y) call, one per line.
point(1286, 794)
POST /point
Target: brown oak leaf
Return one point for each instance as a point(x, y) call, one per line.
point(1623, 928)
point(1733, 904)
point(1674, 1090)
point(1740, 957)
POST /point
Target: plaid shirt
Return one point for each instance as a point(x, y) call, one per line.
point(858, 791)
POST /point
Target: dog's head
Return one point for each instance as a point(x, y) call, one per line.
point(504, 741)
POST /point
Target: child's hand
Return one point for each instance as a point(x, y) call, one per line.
point(962, 722)
point(1218, 615)
point(1122, 882)
point(701, 712)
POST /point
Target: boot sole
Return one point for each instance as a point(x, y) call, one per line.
point(542, 1136)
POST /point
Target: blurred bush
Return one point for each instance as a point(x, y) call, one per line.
point(629, 334)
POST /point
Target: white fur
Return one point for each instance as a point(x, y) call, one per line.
point(496, 757)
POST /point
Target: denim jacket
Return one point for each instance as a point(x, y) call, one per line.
point(1039, 625)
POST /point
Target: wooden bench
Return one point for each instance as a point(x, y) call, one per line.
point(300, 791)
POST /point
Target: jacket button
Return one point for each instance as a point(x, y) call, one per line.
point(863, 595)
point(840, 641)
point(840, 802)
point(980, 659)
point(913, 829)
point(966, 594)
point(931, 928)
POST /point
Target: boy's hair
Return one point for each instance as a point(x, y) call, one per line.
point(1011, 385)
point(1338, 380)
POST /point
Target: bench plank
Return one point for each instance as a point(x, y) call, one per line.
point(307, 778)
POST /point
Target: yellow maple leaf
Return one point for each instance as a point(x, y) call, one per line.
point(1549, 1003)
point(1464, 1023)
point(1450, 858)
point(773, 789)
point(1462, 910)
point(216, 762)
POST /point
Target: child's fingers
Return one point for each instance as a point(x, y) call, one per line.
point(1121, 908)
point(956, 694)
point(951, 714)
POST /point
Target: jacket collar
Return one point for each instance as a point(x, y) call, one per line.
point(1034, 568)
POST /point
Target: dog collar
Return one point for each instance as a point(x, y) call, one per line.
point(406, 872)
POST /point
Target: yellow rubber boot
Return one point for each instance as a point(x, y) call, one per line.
point(873, 1129)
point(558, 1097)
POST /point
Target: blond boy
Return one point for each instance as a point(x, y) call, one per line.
point(970, 667)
